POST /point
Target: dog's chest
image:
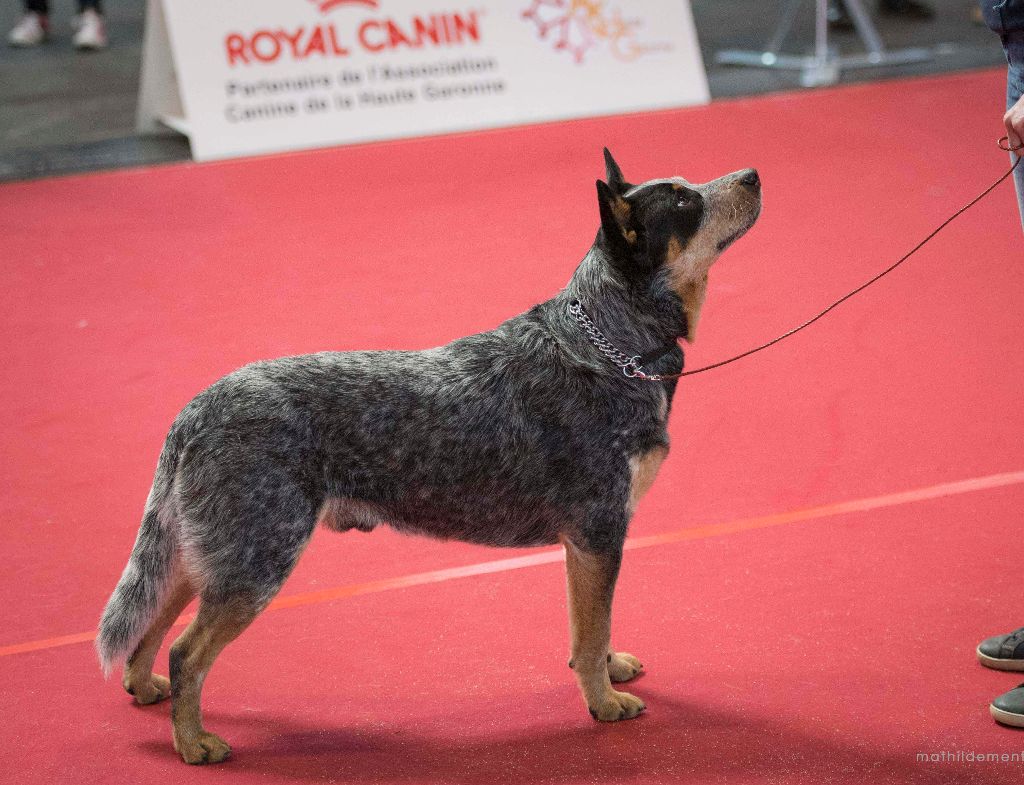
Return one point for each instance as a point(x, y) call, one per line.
point(643, 427)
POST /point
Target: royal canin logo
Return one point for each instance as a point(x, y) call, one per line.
point(375, 34)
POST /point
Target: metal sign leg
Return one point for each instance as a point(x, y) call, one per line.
point(825, 65)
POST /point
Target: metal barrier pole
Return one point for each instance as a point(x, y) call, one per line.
point(824, 66)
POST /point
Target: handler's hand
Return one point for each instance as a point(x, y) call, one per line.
point(1014, 122)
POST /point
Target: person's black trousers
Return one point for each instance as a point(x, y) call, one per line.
point(43, 6)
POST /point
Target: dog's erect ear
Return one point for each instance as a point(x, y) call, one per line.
point(615, 219)
point(613, 174)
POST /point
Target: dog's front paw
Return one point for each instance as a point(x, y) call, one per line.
point(202, 748)
point(617, 706)
point(623, 666)
point(152, 689)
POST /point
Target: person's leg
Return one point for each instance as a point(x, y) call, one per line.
point(839, 18)
point(909, 9)
point(91, 32)
point(33, 26)
point(1014, 90)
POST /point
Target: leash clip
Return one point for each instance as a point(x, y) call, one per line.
point(634, 370)
point(1004, 144)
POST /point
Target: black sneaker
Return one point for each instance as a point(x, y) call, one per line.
point(1003, 652)
point(1008, 708)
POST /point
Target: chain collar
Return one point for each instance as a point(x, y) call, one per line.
point(631, 365)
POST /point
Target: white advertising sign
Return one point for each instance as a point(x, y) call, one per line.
point(243, 77)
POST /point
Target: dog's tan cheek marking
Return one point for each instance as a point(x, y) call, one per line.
point(688, 273)
point(692, 295)
point(644, 468)
point(674, 252)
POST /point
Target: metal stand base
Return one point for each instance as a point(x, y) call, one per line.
point(824, 66)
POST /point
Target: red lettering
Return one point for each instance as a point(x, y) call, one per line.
point(364, 28)
point(395, 36)
point(315, 43)
point(235, 45)
point(422, 29)
point(265, 54)
point(470, 27)
point(336, 47)
point(293, 40)
point(373, 35)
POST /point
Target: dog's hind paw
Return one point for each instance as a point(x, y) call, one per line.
point(623, 666)
point(617, 706)
point(202, 748)
point(150, 690)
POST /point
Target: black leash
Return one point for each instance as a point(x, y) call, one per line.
point(634, 368)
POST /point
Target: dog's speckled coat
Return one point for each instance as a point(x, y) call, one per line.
point(524, 435)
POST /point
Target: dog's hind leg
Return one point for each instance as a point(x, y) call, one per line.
point(591, 583)
point(139, 679)
point(216, 624)
point(241, 566)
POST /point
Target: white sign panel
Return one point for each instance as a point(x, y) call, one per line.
point(242, 77)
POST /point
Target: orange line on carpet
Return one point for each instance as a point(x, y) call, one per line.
point(633, 543)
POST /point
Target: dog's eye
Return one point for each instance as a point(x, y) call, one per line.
point(684, 199)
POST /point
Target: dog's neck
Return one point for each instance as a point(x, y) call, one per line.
point(638, 316)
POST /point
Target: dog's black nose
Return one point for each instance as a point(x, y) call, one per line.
point(750, 179)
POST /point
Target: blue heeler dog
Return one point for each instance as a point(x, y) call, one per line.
point(547, 429)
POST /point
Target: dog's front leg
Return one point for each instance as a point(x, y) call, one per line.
point(591, 582)
point(623, 666)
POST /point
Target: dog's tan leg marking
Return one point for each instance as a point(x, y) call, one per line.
point(139, 680)
point(622, 666)
point(591, 582)
point(644, 468)
point(192, 654)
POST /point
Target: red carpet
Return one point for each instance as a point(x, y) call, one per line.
point(786, 640)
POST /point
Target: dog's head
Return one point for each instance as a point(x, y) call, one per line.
point(670, 231)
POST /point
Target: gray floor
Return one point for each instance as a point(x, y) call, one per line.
point(62, 111)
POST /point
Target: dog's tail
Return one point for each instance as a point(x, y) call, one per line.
point(140, 592)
